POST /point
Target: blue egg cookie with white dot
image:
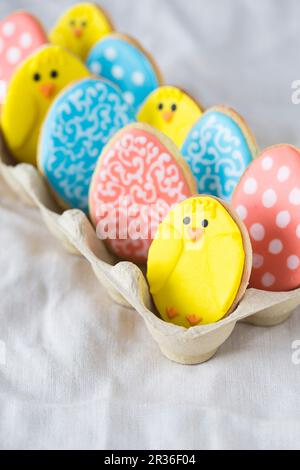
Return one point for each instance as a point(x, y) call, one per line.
point(81, 122)
point(219, 149)
point(122, 61)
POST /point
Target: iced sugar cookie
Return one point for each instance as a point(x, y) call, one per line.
point(268, 200)
point(200, 263)
point(172, 111)
point(139, 177)
point(80, 28)
point(219, 149)
point(80, 123)
point(20, 35)
point(31, 92)
point(123, 61)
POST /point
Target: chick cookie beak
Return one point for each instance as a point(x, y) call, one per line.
point(195, 234)
point(47, 90)
point(78, 32)
point(168, 116)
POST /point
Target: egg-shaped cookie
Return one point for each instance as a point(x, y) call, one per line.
point(20, 35)
point(199, 263)
point(219, 149)
point(172, 111)
point(30, 94)
point(123, 61)
point(80, 28)
point(268, 201)
point(80, 123)
point(140, 176)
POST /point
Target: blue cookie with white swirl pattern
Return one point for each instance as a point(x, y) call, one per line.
point(78, 126)
point(219, 149)
point(122, 60)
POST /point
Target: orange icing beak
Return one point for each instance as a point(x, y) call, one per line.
point(78, 32)
point(195, 234)
point(47, 90)
point(168, 116)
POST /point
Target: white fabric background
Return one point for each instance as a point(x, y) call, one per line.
point(82, 372)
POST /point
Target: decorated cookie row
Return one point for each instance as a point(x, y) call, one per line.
point(82, 124)
point(138, 180)
point(80, 30)
point(21, 34)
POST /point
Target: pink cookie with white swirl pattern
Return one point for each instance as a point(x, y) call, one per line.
point(139, 178)
point(20, 35)
point(268, 201)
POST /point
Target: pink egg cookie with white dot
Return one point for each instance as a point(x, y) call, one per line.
point(20, 35)
point(139, 178)
point(268, 201)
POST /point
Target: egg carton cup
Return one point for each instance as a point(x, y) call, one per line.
point(127, 285)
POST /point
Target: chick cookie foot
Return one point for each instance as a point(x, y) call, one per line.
point(171, 313)
point(194, 320)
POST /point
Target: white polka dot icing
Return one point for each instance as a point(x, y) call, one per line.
point(268, 280)
point(269, 193)
point(283, 219)
point(138, 78)
point(293, 262)
point(283, 174)
point(258, 261)
point(26, 40)
point(13, 55)
point(117, 72)
point(122, 62)
point(250, 186)
point(242, 212)
point(275, 247)
point(269, 198)
point(267, 163)
point(295, 197)
point(8, 28)
point(20, 35)
point(129, 97)
point(257, 232)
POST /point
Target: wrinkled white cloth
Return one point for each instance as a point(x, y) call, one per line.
point(83, 373)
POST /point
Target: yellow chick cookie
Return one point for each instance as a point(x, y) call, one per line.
point(171, 111)
point(80, 28)
point(199, 263)
point(31, 92)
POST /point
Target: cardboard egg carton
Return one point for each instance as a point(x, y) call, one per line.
point(127, 285)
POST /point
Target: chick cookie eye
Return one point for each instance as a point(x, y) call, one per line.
point(174, 107)
point(84, 24)
point(54, 74)
point(37, 77)
point(205, 223)
point(187, 221)
point(160, 106)
point(72, 23)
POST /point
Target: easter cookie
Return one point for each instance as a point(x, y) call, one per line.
point(200, 263)
point(80, 28)
point(172, 111)
point(80, 123)
point(30, 94)
point(268, 200)
point(123, 61)
point(219, 148)
point(140, 176)
point(20, 35)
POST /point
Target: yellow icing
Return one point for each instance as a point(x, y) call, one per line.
point(80, 28)
point(196, 282)
point(176, 124)
point(28, 99)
